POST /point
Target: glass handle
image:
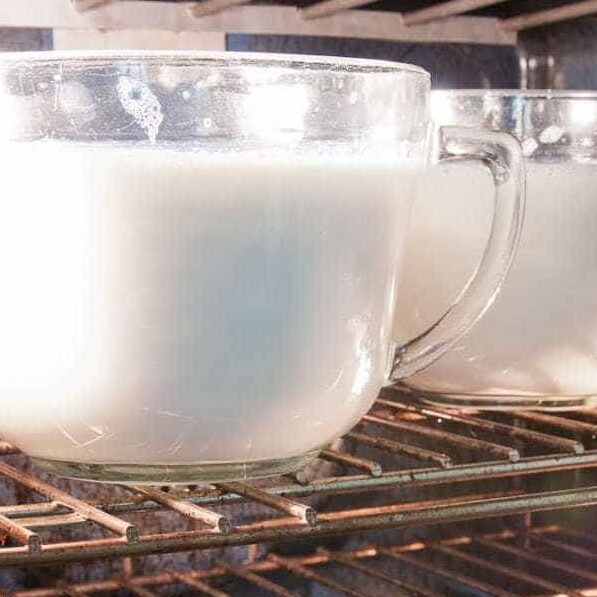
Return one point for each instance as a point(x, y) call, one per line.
point(502, 154)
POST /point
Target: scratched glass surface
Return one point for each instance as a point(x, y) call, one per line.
point(538, 343)
point(199, 255)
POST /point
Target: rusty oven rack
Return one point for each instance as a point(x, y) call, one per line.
point(546, 560)
point(437, 11)
point(479, 465)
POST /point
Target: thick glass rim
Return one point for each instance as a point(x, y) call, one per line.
point(522, 93)
point(218, 59)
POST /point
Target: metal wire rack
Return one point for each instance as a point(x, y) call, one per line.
point(546, 560)
point(478, 465)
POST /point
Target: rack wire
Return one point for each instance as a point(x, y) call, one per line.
point(440, 21)
point(545, 560)
point(478, 464)
point(437, 11)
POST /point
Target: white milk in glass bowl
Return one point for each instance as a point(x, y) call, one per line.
point(199, 255)
point(537, 345)
point(171, 304)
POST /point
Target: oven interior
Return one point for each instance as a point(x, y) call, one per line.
point(415, 500)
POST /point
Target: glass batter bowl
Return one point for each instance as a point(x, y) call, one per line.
point(537, 346)
point(200, 253)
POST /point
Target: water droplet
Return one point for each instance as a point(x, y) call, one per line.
point(551, 134)
point(142, 104)
point(528, 146)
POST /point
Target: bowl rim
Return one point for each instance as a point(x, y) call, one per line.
point(217, 58)
point(520, 93)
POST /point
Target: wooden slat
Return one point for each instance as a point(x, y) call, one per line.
point(173, 16)
point(446, 9)
point(325, 8)
point(572, 10)
point(85, 5)
point(137, 39)
point(441, 10)
point(212, 7)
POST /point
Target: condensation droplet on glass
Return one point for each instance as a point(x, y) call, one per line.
point(212, 79)
point(186, 94)
point(353, 98)
point(551, 134)
point(529, 146)
point(207, 123)
point(77, 101)
point(141, 103)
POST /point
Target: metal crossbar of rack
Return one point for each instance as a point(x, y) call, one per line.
point(92, 24)
point(546, 560)
point(479, 465)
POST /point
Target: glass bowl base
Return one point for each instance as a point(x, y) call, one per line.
point(548, 402)
point(175, 474)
